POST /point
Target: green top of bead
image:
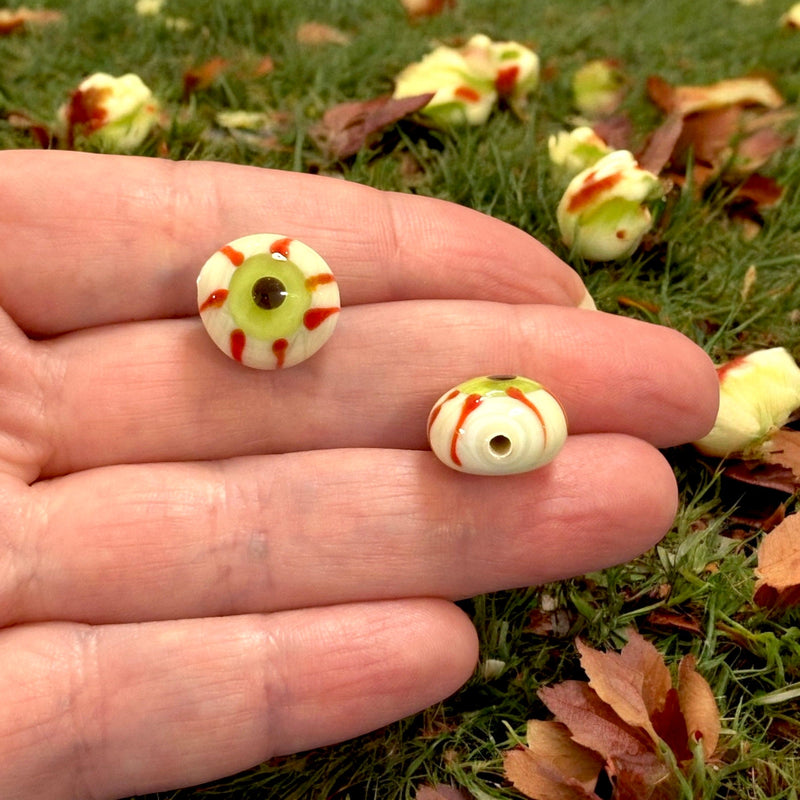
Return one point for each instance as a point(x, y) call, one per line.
point(498, 384)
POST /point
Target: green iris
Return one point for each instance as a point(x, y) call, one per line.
point(267, 297)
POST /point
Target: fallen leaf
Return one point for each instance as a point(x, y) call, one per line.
point(202, 76)
point(593, 723)
point(552, 766)
point(13, 19)
point(264, 66)
point(708, 136)
point(778, 569)
point(616, 131)
point(623, 681)
point(674, 620)
point(687, 100)
point(658, 151)
point(349, 126)
point(755, 150)
point(699, 706)
point(765, 476)
point(642, 305)
point(40, 131)
point(760, 190)
point(783, 448)
point(319, 33)
point(670, 726)
point(426, 8)
point(617, 725)
point(441, 791)
point(550, 623)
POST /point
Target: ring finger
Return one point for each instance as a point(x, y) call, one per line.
point(160, 390)
point(307, 529)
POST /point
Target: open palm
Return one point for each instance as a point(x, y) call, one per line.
point(204, 565)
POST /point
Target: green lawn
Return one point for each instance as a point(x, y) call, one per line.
point(689, 277)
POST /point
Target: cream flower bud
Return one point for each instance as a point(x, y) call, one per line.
point(598, 87)
point(466, 82)
point(118, 113)
point(603, 214)
point(516, 69)
point(149, 8)
point(573, 151)
point(791, 19)
point(757, 395)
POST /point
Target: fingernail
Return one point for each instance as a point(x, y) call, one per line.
point(587, 301)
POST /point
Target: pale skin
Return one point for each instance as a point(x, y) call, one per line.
point(203, 565)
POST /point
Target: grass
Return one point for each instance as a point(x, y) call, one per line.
point(692, 281)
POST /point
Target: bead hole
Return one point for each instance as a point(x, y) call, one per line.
point(500, 445)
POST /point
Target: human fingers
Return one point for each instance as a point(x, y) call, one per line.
point(309, 529)
point(94, 239)
point(110, 711)
point(161, 391)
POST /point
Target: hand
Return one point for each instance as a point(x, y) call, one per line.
point(203, 565)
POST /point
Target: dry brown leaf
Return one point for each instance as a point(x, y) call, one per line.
point(441, 791)
point(550, 771)
point(783, 449)
point(687, 100)
point(320, 33)
point(755, 150)
point(616, 131)
point(765, 476)
point(674, 620)
point(12, 19)
point(426, 8)
point(348, 127)
point(760, 191)
point(699, 706)
point(778, 569)
point(593, 723)
point(671, 727)
point(658, 151)
point(201, 77)
point(620, 682)
point(265, 66)
point(642, 658)
point(40, 131)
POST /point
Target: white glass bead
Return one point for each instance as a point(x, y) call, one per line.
point(497, 425)
point(268, 301)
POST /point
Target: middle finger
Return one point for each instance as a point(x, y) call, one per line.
point(161, 391)
point(302, 529)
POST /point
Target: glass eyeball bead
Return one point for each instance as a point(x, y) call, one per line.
point(497, 425)
point(268, 301)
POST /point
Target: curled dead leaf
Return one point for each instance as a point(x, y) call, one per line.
point(658, 151)
point(783, 449)
point(426, 8)
point(674, 620)
point(634, 682)
point(41, 132)
point(553, 766)
point(699, 707)
point(618, 724)
point(685, 100)
point(16, 18)
point(316, 33)
point(441, 791)
point(778, 569)
point(349, 126)
point(201, 77)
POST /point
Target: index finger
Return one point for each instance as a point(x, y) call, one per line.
point(95, 239)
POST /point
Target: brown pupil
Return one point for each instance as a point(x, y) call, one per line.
point(268, 292)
